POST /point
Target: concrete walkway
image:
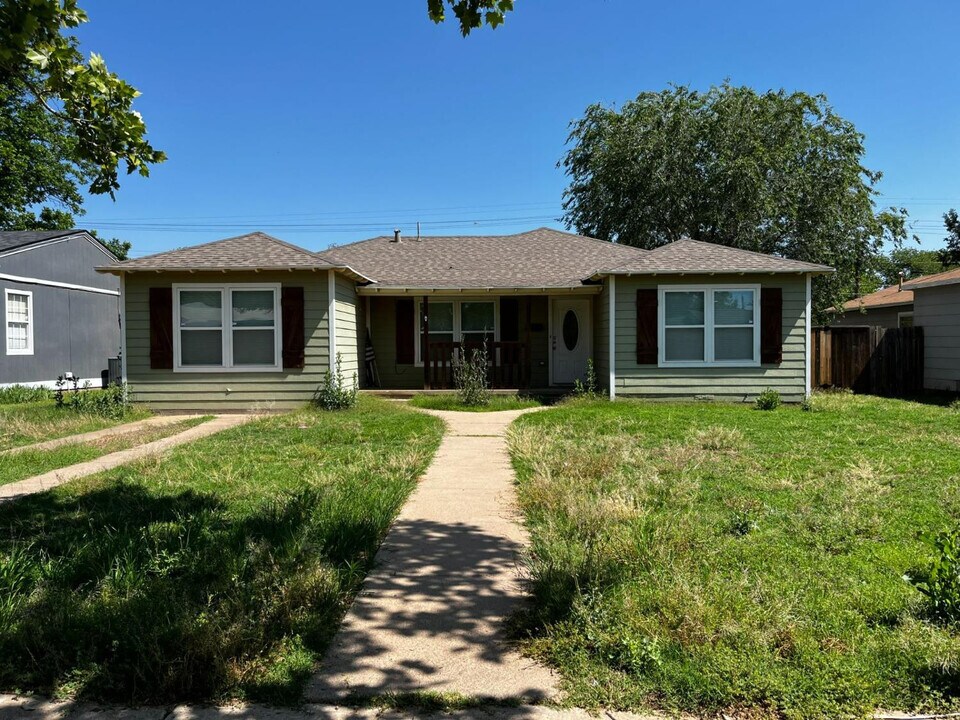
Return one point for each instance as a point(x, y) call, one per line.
point(430, 616)
point(93, 436)
point(52, 479)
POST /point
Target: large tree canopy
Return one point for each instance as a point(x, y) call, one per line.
point(94, 106)
point(951, 254)
point(470, 14)
point(775, 172)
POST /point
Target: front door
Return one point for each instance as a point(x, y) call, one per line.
point(571, 339)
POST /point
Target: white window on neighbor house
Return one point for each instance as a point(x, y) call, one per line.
point(19, 321)
point(457, 321)
point(227, 328)
point(709, 325)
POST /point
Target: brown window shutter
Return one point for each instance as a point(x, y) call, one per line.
point(404, 336)
point(161, 328)
point(292, 323)
point(647, 326)
point(509, 319)
point(771, 326)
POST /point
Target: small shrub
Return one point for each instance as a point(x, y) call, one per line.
point(16, 394)
point(768, 400)
point(112, 403)
point(333, 393)
point(587, 388)
point(954, 405)
point(470, 376)
point(742, 522)
point(940, 581)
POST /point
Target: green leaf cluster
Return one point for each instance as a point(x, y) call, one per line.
point(775, 172)
point(470, 14)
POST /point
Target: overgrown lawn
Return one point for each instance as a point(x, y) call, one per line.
point(450, 401)
point(713, 557)
point(33, 422)
point(220, 570)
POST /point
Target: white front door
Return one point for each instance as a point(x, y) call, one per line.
point(571, 339)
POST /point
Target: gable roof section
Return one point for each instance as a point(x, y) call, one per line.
point(19, 240)
point(687, 256)
point(542, 258)
point(950, 277)
point(253, 251)
point(888, 297)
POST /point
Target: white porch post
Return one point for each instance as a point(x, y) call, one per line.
point(807, 349)
point(612, 350)
point(123, 327)
point(332, 319)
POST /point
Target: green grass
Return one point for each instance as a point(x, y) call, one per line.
point(712, 557)
point(449, 401)
point(29, 423)
point(218, 571)
point(27, 463)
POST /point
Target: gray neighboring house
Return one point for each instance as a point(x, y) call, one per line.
point(59, 315)
point(936, 308)
point(890, 307)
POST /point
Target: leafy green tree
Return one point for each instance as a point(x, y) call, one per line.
point(775, 172)
point(912, 262)
point(951, 254)
point(120, 248)
point(93, 105)
point(470, 14)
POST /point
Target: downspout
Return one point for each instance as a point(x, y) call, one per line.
point(612, 350)
point(123, 327)
point(807, 349)
point(332, 320)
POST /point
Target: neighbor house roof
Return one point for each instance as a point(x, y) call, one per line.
point(888, 297)
point(950, 277)
point(254, 251)
point(694, 257)
point(542, 258)
point(16, 239)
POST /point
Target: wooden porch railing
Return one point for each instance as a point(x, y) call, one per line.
point(507, 362)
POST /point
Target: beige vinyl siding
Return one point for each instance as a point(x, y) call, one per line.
point(346, 307)
point(601, 336)
point(721, 383)
point(937, 311)
point(165, 390)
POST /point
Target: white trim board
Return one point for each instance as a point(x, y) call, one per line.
point(807, 348)
point(612, 329)
point(56, 284)
point(57, 240)
point(332, 321)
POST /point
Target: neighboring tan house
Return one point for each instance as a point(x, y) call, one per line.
point(891, 307)
point(936, 308)
point(253, 321)
point(59, 315)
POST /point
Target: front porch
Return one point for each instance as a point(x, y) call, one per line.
point(537, 343)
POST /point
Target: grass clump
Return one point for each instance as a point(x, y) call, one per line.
point(939, 581)
point(17, 394)
point(29, 423)
point(451, 401)
point(112, 403)
point(712, 559)
point(769, 399)
point(218, 571)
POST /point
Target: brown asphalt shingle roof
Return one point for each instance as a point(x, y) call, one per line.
point(542, 258)
point(693, 256)
point(887, 297)
point(950, 277)
point(254, 251)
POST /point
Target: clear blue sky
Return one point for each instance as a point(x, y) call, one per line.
point(328, 122)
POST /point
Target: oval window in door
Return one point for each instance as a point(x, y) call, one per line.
point(571, 330)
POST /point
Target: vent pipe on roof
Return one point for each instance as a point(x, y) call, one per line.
point(901, 282)
point(396, 236)
point(418, 231)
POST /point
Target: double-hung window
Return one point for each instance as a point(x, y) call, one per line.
point(227, 327)
point(713, 325)
point(457, 321)
point(19, 321)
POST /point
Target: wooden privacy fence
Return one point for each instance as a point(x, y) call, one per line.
point(870, 360)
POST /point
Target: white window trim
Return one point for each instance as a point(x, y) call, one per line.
point(226, 329)
point(457, 336)
point(901, 315)
point(6, 321)
point(708, 326)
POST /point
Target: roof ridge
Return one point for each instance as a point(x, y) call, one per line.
point(262, 234)
point(608, 243)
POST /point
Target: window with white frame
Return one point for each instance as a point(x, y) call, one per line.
point(19, 322)
point(227, 327)
point(712, 325)
point(457, 321)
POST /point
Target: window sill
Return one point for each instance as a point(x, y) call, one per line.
point(211, 370)
point(730, 364)
point(22, 353)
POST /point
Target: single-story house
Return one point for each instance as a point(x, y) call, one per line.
point(59, 315)
point(936, 308)
point(890, 307)
point(253, 321)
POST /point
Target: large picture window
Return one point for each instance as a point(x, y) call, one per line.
point(714, 325)
point(226, 327)
point(19, 321)
point(457, 321)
